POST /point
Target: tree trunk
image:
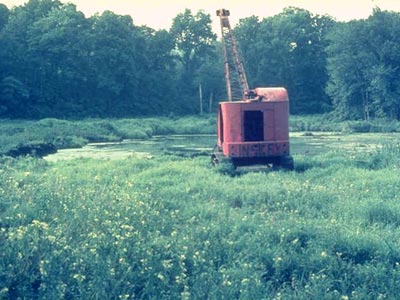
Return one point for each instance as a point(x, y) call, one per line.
point(365, 96)
point(201, 99)
point(210, 103)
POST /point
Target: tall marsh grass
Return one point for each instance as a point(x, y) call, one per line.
point(326, 122)
point(175, 228)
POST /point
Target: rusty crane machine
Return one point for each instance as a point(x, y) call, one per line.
point(253, 125)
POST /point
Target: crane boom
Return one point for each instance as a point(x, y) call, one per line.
point(235, 76)
point(253, 131)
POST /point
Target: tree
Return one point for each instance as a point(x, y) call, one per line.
point(14, 54)
point(117, 49)
point(58, 52)
point(210, 77)
point(159, 76)
point(193, 38)
point(384, 41)
point(288, 50)
point(347, 65)
point(4, 14)
point(363, 67)
point(247, 32)
point(194, 44)
point(13, 98)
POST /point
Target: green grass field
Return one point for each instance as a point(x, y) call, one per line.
point(175, 228)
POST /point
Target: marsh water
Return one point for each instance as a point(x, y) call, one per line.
point(307, 143)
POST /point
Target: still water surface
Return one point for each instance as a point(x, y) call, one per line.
point(190, 145)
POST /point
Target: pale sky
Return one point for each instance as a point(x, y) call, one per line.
point(158, 14)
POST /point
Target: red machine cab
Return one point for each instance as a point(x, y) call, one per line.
point(256, 131)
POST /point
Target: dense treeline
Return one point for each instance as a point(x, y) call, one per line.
point(351, 69)
point(55, 62)
point(364, 67)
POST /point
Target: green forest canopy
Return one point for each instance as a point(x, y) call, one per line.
point(55, 62)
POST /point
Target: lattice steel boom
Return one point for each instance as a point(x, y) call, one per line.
point(235, 76)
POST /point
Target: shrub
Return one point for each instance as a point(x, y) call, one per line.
point(357, 126)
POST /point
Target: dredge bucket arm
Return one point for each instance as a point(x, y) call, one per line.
point(235, 76)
